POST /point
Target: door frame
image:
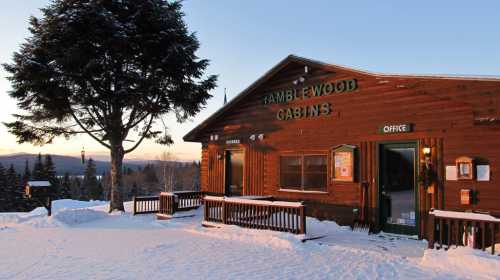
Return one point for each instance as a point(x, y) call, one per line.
point(242, 149)
point(413, 144)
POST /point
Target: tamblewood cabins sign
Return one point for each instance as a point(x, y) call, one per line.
point(315, 110)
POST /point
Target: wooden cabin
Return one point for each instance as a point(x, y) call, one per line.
point(358, 146)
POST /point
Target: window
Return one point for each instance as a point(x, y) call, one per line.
point(305, 172)
point(291, 172)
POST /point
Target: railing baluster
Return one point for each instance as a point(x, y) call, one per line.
point(449, 224)
point(441, 233)
point(483, 236)
point(492, 227)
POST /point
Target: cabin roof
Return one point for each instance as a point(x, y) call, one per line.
point(39, 183)
point(192, 135)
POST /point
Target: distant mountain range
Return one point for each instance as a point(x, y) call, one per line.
point(72, 165)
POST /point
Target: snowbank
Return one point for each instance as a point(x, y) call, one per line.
point(465, 261)
point(82, 241)
point(65, 204)
point(65, 212)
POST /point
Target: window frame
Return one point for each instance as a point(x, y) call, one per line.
point(301, 188)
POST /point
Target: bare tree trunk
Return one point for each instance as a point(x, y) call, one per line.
point(116, 202)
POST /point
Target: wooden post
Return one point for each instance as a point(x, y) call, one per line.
point(135, 206)
point(430, 232)
point(492, 226)
point(175, 205)
point(49, 206)
point(205, 211)
point(224, 213)
point(483, 236)
point(302, 220)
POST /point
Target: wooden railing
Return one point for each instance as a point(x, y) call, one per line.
point(476, 230)
point(145, 204)
point(179, 201)
point(258, 214)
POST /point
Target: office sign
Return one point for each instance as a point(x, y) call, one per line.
point(396, 128)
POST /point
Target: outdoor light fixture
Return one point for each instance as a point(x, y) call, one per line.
point(427, 173)
point(219, 156)
point(83, 155)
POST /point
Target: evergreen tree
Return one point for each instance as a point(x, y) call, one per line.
point(15, 189)
point(110, 69)
point(150, 174)
point(50, 175)
point(134, 190)
point(65, 187)
point(97, 193)
point(39, 170)
point(5, 195)
point(27, 173)
point(76, 188)
point(90, 183)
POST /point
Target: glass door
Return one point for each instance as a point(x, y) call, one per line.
point(398, 203)
point(234, 172)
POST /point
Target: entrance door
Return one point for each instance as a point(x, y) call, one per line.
point(397, 188)
point(234, 173)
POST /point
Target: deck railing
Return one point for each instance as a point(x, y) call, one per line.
point(476, 230)
point(171, 202)
point(145, 204)
point(258, 214)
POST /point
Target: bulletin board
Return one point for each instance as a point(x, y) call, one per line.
point(343, 163)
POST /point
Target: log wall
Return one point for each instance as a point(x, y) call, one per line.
point(443, 111)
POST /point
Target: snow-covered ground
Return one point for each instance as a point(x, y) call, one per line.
point(82, 241)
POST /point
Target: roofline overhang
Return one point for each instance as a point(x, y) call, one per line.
point(191, 135)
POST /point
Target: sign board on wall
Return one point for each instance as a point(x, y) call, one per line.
point(396, 128)
point(287, 96)
point(343, 163)
point(451, 172)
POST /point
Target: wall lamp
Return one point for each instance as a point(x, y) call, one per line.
point(426, 151)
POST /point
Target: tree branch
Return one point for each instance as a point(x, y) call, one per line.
point(88, 131)
point(142, 137)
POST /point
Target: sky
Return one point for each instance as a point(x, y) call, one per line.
point(244, 39)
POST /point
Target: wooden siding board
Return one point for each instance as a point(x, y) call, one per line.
point(441, 109)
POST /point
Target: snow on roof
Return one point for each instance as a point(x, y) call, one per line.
point(39, 183)
point(464, 215)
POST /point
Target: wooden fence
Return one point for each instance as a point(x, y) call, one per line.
point(145, 204)
point(179, 201)
point(449, 228)
point(258, 214)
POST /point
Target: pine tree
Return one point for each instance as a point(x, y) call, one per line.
point(76, 188)
point(5, 196)
point(97, 192)
point(65, 187)
point(150, 174)
point(39, 170)
point(27, 173)
point(90, 184)
point(107, 69)
point(50, 175)
point(134, 190)
point(15, 189)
